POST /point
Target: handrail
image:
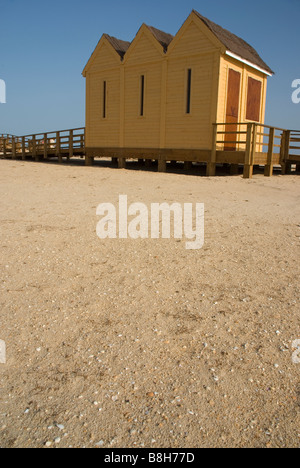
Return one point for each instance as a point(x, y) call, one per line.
point(55, 131)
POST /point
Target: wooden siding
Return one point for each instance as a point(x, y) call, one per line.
point(105, 67)
point(144, 49)
point(144, 58)
point(104, 131)
point(191, 130)
point(192, 39)
point(105, 58)
point(191, 49)
point(142, 131)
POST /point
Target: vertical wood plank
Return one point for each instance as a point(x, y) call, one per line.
point(211, 166)
point(162, 163)
point(45, 145)
point(122, 106)
point(23, 149)
point(71, 144)
point(34, 149)
point(248, 168)
point(57, 147)
point(270, 165)
point(14, 152)
point(163, 108)
point(283, 153)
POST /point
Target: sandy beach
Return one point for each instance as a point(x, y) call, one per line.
point(142, 343)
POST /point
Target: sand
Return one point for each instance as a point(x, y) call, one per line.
point(142, 343)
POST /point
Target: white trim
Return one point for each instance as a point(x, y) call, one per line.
point(237, 57)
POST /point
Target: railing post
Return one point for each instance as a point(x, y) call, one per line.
point(248, 166)
point(269, 166)
point(285, 151)
point(57, 150)
point(14, 150)
point(211, 166)
point(4, 147)
point(34, 152)
point(71, 144)
point(45, 145)
point(253, 152)
point(23, 149)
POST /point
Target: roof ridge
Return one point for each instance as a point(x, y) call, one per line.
point(119, 45)
point(161, 36)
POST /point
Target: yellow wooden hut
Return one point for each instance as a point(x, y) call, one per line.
point(187, 98)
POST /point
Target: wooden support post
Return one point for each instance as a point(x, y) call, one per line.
point(288, 165)
point(284, 152)
point(57, 147)
point(89, 160)
point(45, 146)
point(270, 165)
point(141, 161)
point(71, 144)
point(14, 149)
point(122, 163)
point(211, 166)
point(187, 166)
point(114, 160)
point(253, 151)
point(234, 169)
point(148, 163)
point(248, 167)
point(34, 149)
point(4, 147)
point(162, 164)
point(23, 148)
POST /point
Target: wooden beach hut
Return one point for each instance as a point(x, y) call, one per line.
point(199, 96)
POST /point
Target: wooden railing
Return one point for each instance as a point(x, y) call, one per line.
point(6, 144)
point(241, 143)
point(254, 144)
point(50, 144)
point(294, 143)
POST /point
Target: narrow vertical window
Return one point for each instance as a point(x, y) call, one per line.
point(104, 100)
point(188, 93)
point(142, 100)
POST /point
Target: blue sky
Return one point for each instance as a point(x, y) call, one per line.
point(45, 45)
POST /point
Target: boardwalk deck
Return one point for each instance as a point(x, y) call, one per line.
point(255, 144)
point(59, 144)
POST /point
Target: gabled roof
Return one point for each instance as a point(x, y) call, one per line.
point(119, 45)
point(162, 37)
point(235, 44)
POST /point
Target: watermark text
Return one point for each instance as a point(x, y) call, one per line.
point(296, 353)
point(138, 222)
point(2, 92)
point(2, 352)
point(296, 93)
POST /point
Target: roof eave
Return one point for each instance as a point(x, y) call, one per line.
point(250, 64)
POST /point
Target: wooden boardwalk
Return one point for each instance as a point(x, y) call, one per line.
point(242, 144)
point(63, 144)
